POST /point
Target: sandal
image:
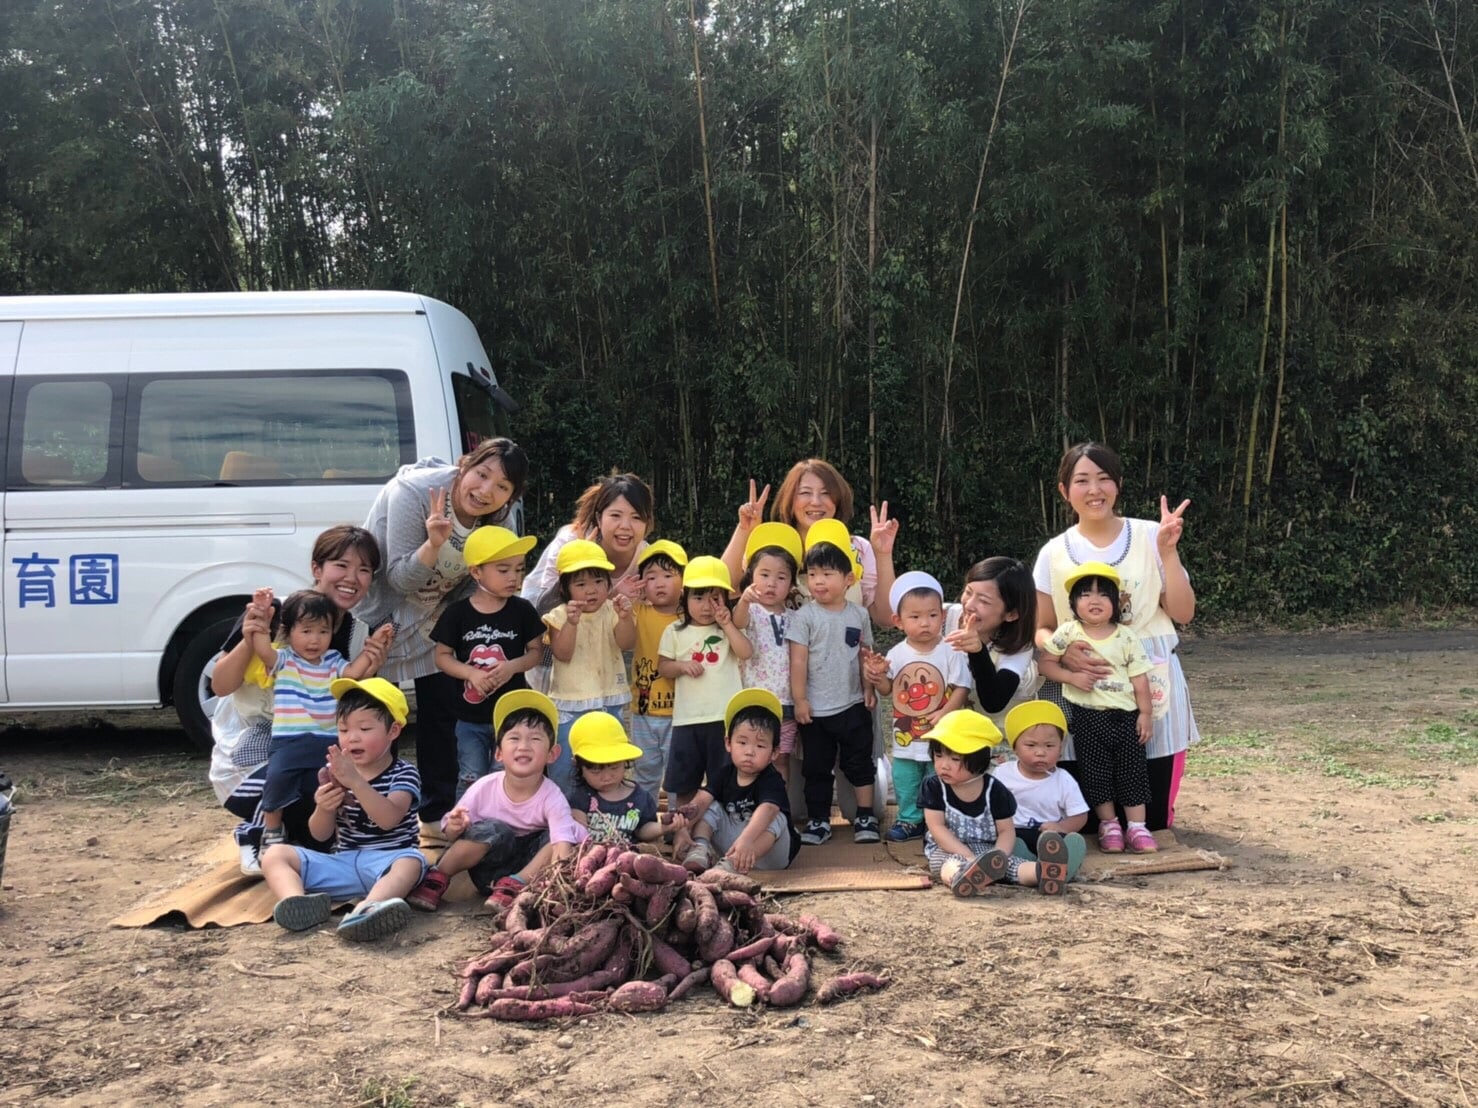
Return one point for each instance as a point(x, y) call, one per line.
point(983, 871)
point(1141, 841)
point(1052, 863)
point(1110, 837)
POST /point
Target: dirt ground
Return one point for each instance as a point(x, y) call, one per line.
point(1331, 963)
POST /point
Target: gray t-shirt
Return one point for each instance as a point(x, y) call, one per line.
point(833, 674)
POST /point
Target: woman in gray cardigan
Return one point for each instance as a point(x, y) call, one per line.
point(421, 519)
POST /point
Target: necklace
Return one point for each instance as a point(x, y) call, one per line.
point(1067, 542)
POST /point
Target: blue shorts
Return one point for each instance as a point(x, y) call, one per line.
point(350, 874)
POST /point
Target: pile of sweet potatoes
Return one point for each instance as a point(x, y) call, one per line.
point(618, 931)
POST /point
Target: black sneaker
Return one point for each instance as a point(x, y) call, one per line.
point(816, 833)
point(865, 829)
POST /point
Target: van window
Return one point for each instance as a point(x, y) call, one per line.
point(256, 428)
point(63, 430)
point(478, 417)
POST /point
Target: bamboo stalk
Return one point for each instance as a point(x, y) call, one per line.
point(703, 145)
point(1267, 478)
point(1457, 111)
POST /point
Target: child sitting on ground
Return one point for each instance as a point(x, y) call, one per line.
point(367, 806)
point(1050, 809)
point(742, 819)
point(605, 802)
point(660, 572)
point(969, 813)
point(512, 823)
point(926, 679)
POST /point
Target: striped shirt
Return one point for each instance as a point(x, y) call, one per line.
point(358, 832)
point(301, 702)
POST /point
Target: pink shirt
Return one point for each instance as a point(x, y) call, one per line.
point(547, 808)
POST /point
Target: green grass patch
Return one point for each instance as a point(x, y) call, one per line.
point(386, 1094)
point(1234, 754)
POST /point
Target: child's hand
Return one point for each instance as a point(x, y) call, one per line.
point(741, 856)
point(692, 669)
point(677, 826)
point(573, 613)
point(438, 523)
point(456, 823)
point(330, 797)
point(1145, 727)
point(377, 644)
point(622, 604)
point(261, 602)
point(721, 614)
point(344, 771)
point(802, 710)
point(874, 665)
point(629, 588)
point(256, 622)
point(489, 680)
point(884, 530)
point(869, 697)
point(752, 511)
point(682, 842)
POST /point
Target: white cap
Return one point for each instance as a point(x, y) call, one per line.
point(908, 582)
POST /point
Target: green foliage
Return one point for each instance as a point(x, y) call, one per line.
point(706, 297)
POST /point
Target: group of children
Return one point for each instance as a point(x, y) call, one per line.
point(719, 691)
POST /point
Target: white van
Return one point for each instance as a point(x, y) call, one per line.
point(165, 455)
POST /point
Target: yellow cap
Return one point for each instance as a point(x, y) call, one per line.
point(1091, 569)
point(1028, 714)
point(707, 572)
point(578, 554)
point(835, 532)
point(783, 535)
point(377, 687)
point(519, 699)
point(752, 698)
point(663, 546)
point(964, 732)
point(489, 544)
point(598, 737)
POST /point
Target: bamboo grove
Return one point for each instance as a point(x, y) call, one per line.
point(930, 240)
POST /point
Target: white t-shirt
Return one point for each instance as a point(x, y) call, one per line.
point(1054, 797)
point(922, 681)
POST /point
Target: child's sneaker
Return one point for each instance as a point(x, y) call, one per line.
point(272, 836)
point(699, 858)
point(505, 892)
point(816, 833)
point(902, 831)
point(426, 897)
point(251, 861)
point(374, 920)
point(1141, 841)
point(983, 871)
point(299, 913)
point(865, 830)
point(1110, 837)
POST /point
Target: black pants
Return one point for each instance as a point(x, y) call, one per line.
point(436, 743)
point(845, 738)
point(1161, 773)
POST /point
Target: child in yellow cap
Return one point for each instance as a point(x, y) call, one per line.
point(609, 805)
point(660, 577)
point(767, 600)
point(486, 642)
point(1050, 809)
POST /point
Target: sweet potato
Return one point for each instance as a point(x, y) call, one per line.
point(591, 982)
point(654, 871)
point(626, 862)
point(733, 882)
point(622, 895)
point(522, 913)
point(756, 981)
point(733, 900)
point(724, 978)
point(591, 946)
point(772, 967)
point(822, 934)
point(468, 992)
point(708, 913)
point(686, 917)
point(661, 904)
point(668, 960)
point(849, 984)
point(681, 989)
point(719, 943)
point(602, 881)
point(638, 889)
point(790, 988)
point(590, 860)
point(752, 951)
point(638, 996)
point(486, 987)
point(530, 1010)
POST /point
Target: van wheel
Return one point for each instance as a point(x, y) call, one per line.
point(192, 699)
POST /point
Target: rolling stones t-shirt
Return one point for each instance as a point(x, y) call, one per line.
point(483, 640)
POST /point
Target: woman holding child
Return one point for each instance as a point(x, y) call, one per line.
point(421, 520)
point(1155, 594)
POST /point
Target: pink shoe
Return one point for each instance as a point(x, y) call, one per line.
point(1111, 837)
point(1141, 841)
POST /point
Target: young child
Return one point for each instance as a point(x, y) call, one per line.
point(485, 641)
point(512, 823)
point(1050, 809)
point(833, 702)
point(605, 802)
point(927, 679)
point(366, 805)
point(701, 653)
point(302, 669)
point(587, 634)
point(772, 558)
point(992, 626)
point(660, 573)
point(743, 816)
point(1111, 718)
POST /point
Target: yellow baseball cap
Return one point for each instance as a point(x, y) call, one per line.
point(783, 535)
point(752, 698)
point(520, 699)
point(663, 546)
point(964, 732)
point(835, 532)
point(489, 544)
point(707, 572)
point(384, 691)
point(1091, 569)
point(1028, 714)
point(598, 737)
point(578, 554)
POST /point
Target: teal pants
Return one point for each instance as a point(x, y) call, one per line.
point(1077, 850)
point(908, 775)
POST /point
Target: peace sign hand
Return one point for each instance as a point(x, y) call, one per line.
point(967, 638)
point(884, 530)
point(752, 511)
point(438, 524)
point(1171, 526)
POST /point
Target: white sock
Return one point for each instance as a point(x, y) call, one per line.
point(1133, 825)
